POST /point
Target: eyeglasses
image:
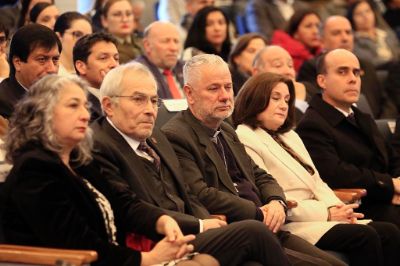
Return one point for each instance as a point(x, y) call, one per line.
point(76, 34)
point(3, 39)
point(119, 15)
point(142, 100)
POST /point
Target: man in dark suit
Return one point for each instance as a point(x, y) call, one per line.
point(345, 144)
point(94, 55)
point(337, 33)
point(131, 154)
point(162, 46)
point(34, 53)
point(215, 163)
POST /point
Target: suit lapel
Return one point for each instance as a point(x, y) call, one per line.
point(210, 151)
point(368, 130)
point(284, 157)
point(134, 161)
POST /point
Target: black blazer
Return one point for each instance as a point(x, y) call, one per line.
point(162, 85)
point(118, 161)
point(10, 93)
point(44, 204)
point(206, 173)
point(340, 155)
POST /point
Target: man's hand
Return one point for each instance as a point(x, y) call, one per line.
point(274, 215)
point(396, 199)
point(345, 213)
point(396, 185)
point(212, 223)
point(167, 226)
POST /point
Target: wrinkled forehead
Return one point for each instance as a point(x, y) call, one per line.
point(138, 81)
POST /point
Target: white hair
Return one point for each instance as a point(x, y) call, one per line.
point(111, 85)
point(190, 70)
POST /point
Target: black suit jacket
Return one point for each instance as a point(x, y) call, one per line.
point(44, 204)
point(382, 106)
point(340, 156)
point(117, 160)
point(10, 93)
point(95, 107)
point(162, 85)
point(206, 173)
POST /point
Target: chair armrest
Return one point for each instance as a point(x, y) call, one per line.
point(219, 217)
point(350, 195)
point(45, 256)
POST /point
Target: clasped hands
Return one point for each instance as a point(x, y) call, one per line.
point(344, 213)
point(173, 246)
point(274, 215)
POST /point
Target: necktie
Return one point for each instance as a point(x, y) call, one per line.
point(220, 148)
point(171, 84)
point(144, 147)
point(352, 119)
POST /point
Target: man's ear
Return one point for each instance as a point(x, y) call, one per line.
point(108, 106)
point(17, 62)
point(321, 81)
point(81, 67)
point(188, 90)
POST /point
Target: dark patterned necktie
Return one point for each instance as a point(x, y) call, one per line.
point(144, 147)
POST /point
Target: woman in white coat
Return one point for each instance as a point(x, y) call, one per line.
point(264, 116)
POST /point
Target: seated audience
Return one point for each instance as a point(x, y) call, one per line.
point(265, 17)
point(94, 56)
point(181, 12)
point(26, 7)
point(345, 143)
point(242, 56)
point(54, 196)
point(264, 116)
point(336, 32)
point(118, 19)
point(70, 27)
point(162, 46)
point(392, 15)
point(95, 15)
point(45, 14)
point(141, 158)
point(277, 60)
point(34, 53)
point(370, 42)
point(301, 38)
point(138, 7)
point(215, 164)
point(208, 34)
point(4, 41)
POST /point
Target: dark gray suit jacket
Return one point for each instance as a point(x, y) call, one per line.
point(163, 89)
point(206, 173)
point(118, 161)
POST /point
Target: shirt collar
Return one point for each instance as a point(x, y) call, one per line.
point(134, 144)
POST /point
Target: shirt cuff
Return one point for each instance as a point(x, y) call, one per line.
point(201, 226)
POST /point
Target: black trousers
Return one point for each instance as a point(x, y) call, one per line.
point(302, 253)
point(240, 242)
point(378, 243)
point(382, 212)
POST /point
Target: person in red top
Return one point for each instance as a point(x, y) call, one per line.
point(301, 38)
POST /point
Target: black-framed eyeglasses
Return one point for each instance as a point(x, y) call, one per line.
point(142, 100)
point(3, 39)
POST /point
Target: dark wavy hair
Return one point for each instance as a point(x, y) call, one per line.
point(297, 18)
point(197, 33)
point(254, 97)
